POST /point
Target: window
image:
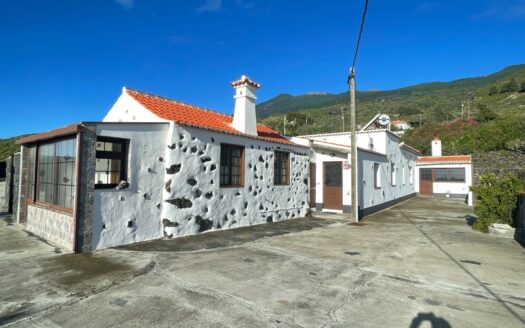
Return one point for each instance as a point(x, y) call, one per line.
point(55, 179)
point(110, 167)
point(31, 166)
point(333, 174)
point(410, 175)
point(281, 168)
point(403, 175)
point(232, 166)
point(425, 174)
point(393, 173)
point(377, 175)
point(450, 175)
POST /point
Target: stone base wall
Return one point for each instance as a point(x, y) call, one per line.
point(55, 227)
point(499, 162)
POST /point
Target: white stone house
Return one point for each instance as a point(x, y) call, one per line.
point(157, 167)
point(386, 171)
point(444, 176)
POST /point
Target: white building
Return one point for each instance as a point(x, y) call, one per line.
point(386, 170)
point(157, 167)
point(445, 176)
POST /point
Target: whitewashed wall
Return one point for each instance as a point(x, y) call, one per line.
point(320, 156)
point(449, 188)
point(369, 195)
point(139, 204)
point(127, 109)
point(194, 201)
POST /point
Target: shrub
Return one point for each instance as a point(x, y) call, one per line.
point(496, 199)
point(511, 86)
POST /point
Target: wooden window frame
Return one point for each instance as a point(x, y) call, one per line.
point(44, 204)
point(122, 156)
point(286, 168)
point(241, 178)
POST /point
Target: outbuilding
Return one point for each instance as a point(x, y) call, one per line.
point(444, 176)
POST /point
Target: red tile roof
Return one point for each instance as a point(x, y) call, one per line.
point(193, 116)
point(445, 159)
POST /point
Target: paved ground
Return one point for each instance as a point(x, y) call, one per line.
point(419, 263)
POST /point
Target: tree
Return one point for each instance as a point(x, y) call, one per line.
point(485, 114)
point(511, 86)
point(522, 89)
point(493, 90)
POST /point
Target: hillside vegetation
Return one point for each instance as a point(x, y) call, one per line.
point(8, 147)
point(500, 95)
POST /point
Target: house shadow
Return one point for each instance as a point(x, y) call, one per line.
point(435, 322)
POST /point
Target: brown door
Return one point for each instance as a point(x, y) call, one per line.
point(425, 182)
point(312, 184)
point(333, 185)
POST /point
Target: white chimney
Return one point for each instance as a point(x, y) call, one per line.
point(244, 117)
point(436, 147)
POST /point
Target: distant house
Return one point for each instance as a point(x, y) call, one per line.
point(400, 125)
point(445, 176)
point(386, 170)
point(157, 167)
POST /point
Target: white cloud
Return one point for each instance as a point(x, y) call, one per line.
point(210, 5)
point(427, 6)
point(127, 4)
point(511, 12)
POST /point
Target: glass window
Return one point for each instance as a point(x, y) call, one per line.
point(393, 172)
point(425, 174)
point(377, 175)
point(110, 165)
point(56, 174)
point(232, 159)
point(281, 168)
point(31, 166)
point(334, 174)
point(450, 175)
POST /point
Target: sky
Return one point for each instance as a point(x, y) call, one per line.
point(66, 61)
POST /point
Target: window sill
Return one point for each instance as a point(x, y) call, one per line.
point(53, 208)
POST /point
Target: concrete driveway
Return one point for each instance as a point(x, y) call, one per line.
point(414, 265)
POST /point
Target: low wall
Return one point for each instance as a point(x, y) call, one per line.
point(55, 227)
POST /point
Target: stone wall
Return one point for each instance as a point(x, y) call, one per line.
point(12, 182)
point(87, 190)
point(55, 227)
point(499, 162)
point(194, 202)
point(520, 220)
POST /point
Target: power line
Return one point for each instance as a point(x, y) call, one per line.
point(363, 19)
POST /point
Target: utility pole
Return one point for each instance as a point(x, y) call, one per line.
point(462, 105)
point(353, 141)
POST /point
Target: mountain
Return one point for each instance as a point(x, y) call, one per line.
point(8, 147)
point(427, 102)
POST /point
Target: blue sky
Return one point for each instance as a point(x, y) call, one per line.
point(64, 61)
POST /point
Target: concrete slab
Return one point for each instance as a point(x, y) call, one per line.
point(417, 264)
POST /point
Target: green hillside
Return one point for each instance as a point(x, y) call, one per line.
point(434, 102)
point(8, 147)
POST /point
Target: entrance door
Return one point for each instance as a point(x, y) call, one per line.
point(312, 185)
point(333, 185)
point(426, 182)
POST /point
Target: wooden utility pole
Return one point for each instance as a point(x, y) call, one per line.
point(353, 141)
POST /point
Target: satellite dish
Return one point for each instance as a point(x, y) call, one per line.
point(383, 120)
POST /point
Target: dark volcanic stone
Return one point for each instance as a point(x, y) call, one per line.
point(180, 202)
point(167, 186)
point(192, 181)
point(175, 168)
